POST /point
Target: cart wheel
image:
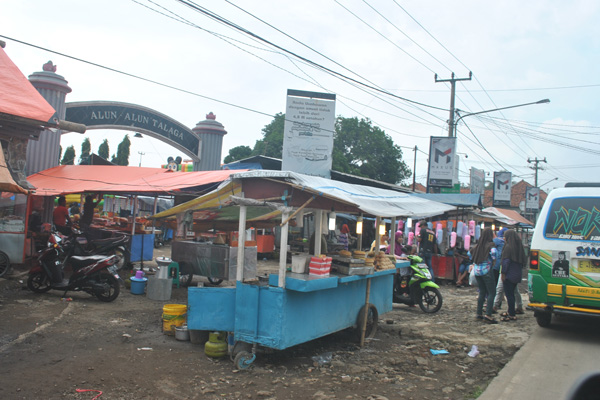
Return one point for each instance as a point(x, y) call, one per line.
point(243, 360)
point(372, 318)
point(214, 281)
point(4, 263)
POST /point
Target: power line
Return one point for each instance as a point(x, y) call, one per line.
point(341, 76)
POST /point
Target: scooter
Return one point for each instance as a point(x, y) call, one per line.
point(96, 274)
point(78, 244)
point(417, 287)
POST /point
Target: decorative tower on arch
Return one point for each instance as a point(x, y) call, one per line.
point(44, 153)
point(211, 133)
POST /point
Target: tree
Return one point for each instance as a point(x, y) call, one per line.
point(238, 153)
point(86, 147)
point(122, 156)
point(69, 156)
point(103, 149)
point(359, 148)
point(272, 143)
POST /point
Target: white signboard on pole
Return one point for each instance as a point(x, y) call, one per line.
point(477, 181)
point(308, 133)
point(532, 198)
point(502, 188)
point(442, 154)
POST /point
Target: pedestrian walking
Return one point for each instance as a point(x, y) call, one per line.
point(513, 259)
point(484, 256)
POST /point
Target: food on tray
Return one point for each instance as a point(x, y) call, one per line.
point(345, 253)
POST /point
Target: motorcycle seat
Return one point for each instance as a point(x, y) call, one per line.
point(83, 261)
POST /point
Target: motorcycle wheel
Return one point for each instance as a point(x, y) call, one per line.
point(4, 263)
point(38, 282)
point(186, 274)
point(111, 288)
point(121, 254)
point(372, 319)
point(431, 300)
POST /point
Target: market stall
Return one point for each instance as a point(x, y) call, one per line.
point(274, 313)
point(124, 185)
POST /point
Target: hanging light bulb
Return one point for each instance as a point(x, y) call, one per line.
point(482, 226)
point(493, 227)
point(332, 221)
point(382, 229)
point(359, 225)
point(409, 222)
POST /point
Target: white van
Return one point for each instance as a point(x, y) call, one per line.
point(564, 264)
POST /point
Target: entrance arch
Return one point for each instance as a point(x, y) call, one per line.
point(135, 118)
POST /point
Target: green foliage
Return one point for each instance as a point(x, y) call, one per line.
point(122, 156)
point(359, 148)
point(238, 153)
point(86, 147)
point(103, 150)
point(69, 156)
point(272, 143)
point(477, 391)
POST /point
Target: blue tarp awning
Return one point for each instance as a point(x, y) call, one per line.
point(454, 199)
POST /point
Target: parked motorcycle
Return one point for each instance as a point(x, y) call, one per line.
point(95, 274)
point(416, 287)
point(78, 244)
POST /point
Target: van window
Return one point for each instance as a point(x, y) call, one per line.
point(574, 218)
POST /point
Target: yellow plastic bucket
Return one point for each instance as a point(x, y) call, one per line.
point(173, 315)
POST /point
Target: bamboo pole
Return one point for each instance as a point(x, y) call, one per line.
point(307, 202)
point(364, 327)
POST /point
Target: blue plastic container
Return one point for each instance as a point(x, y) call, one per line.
point(138, 285)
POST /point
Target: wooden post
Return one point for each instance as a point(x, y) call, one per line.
point(318, 231)
point(239, 274)
point(363, 329)
point(283, 251)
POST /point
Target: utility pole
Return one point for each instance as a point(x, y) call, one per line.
point(536, 167)
point(453, 80)
point(415, 169)
point(141, 153)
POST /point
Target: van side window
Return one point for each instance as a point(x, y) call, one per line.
point(574, 218)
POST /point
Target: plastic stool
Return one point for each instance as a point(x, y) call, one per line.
point(174, 266)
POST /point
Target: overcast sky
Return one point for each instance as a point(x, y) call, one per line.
point(519, 52)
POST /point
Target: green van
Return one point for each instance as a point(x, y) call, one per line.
point(564, 260)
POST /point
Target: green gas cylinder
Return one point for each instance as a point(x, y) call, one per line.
point(216, 346)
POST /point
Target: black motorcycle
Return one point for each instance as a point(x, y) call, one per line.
point(96, 274)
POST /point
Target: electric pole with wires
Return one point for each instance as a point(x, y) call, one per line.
point(453, 80)
point(536, 168)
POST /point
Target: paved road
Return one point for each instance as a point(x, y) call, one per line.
point(550, 362)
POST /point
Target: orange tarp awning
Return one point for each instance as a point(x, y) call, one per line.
point(19, 98)
point(66, 179)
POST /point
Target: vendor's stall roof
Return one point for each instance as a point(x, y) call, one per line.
point(18, 97)
point(66, 179)
point(454, 199)
point(508, 217)
point(368, 200)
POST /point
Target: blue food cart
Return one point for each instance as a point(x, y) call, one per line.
point(293, 308)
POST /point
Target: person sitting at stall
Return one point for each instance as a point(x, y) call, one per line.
point(61, 218)
point(382, 246)
point(344, 236)
point(311, 244)
point(398, 249)
point(88, 212)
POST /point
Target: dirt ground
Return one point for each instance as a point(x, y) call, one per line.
point(50, 347)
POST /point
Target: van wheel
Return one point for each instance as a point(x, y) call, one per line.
point(543, 319)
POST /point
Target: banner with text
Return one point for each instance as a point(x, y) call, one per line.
point(532, 198)
point(477, 180)
point(442, 164)
point(502, 188)
point(308, 133)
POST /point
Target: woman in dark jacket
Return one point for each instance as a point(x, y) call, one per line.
point(484, 256)
point(513, 259)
